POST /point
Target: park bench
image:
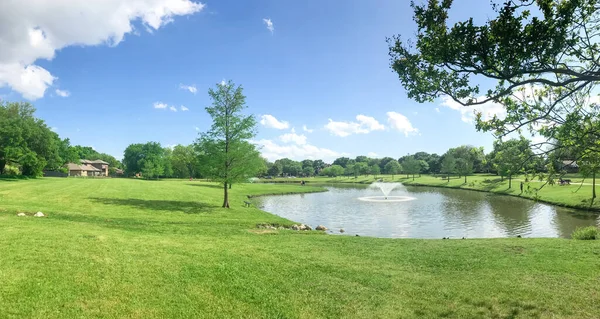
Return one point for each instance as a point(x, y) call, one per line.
point(247, 203)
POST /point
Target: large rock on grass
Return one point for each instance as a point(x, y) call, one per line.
point(39, 214)
point(321, 227)
point(21, 214)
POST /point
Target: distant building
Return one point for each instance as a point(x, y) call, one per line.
point(570, 166)
point(88, 168)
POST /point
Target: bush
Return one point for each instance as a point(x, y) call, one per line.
point(586, 233)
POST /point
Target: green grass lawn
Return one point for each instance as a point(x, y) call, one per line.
point(114, 248)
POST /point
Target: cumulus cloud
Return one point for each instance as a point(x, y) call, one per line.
point(270, 121)
point(33, 30)
point(160, 105)
point(437, 109)
point(372, 154)
point(191, 88)
point(172, 108)
point(269, 24)
point(306, 129)
point(197, 129)
point(401, 123)
point(273, 151)
point(364, 125)
point(183, 108)
point(293, 138)
point(488, 110)
point(62, 93)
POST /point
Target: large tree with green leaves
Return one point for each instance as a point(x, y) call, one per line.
point(184, 161)
point(228, 156)
point(533, 56)
point(392, 167)
point(512, 157)
point(448, 165)
point(411, 165)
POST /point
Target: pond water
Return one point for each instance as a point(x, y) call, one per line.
point(434, 213)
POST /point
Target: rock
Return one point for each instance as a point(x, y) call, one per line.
point(321, 227)
point(39, 214)
point(295, 227)
point(307, 227)
point(342, 230)
point(21, 214)
point(302, 227)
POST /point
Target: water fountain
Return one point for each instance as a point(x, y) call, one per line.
point(386, 189)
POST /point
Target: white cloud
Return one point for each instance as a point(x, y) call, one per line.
point(293, 137)
point(62, 93)
point(223, 83)
point(54, 129)
point(401, 123)
point(437, 109)
point(364, 125)
point(183, 108)
point(172, 108)
point(191, 88)
point(273, 151)
point(160, 105)
point(269, 24)
point(372, 154)
point(270, 121)
point(306, 129)
point(488, 110)
point(197, 129)
point(33, 30)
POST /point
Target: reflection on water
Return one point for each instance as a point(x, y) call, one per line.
point(436, 213)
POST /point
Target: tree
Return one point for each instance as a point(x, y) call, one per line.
point(375, 170)
point(539, 56)
point(424, 167)
point(465, 157)
point(435, 163)
point(411, 166)
point(131, 159)
point(275, 169)
point(185, 161)
point(511, 157)
point(393, 168)
point(333, 171)
point(361, 159)
point(384, 161)
point(361, 168)
point(318, 165)
point(228, 157)
point(308, 171)
point(25, 140)
point(448, 164)
point(341, 161)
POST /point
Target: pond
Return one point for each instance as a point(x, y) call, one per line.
point(433, 213)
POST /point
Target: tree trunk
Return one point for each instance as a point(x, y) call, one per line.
point(230, 185)
point(225, 196)
point(509, 181)
point(465, 179)
point(413, 177)
point(448, 178)
point(2, 166)
point(593, 185)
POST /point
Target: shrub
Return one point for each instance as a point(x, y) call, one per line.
point(586, 233)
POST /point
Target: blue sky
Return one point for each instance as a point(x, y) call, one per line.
point(323, 67)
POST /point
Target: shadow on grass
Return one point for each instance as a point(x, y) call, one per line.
point(171, 205)
point(216, 186)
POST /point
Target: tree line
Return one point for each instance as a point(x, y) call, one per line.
point(29, 147)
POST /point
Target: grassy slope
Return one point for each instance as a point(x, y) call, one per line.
point(569, 195)
point(131, 248)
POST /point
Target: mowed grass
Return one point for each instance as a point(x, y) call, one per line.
point(114, 248)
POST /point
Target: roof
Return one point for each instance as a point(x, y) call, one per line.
point(570, 163)
point(84, 167)
point(84, 161)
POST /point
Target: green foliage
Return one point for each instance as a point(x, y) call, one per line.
point(276, 169)
point(333, 171)
point(410, 165)
point(448, 164)
point(586, 233)
point(26, 141)
point(375, 170)
point(512, 157)
point(228, 157)
point(308, 171)
point(148, 159)
point(392, 167)
point(184, 161)
point(342, 161)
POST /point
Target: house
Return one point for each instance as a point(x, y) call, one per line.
point(570, 166)
point(88, 168)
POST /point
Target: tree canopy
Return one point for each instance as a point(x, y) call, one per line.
point(228, 156)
